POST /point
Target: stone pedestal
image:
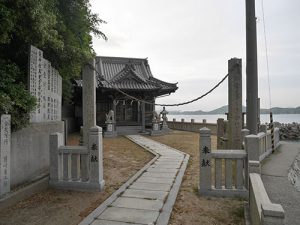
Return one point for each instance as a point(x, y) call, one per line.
point(110, 129)
point(155, 129)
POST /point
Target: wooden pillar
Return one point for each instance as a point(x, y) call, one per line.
point(143, 117)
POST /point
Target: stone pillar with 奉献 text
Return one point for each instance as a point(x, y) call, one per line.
point(205, 160)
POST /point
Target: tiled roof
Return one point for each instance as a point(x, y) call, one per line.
point(129, 74)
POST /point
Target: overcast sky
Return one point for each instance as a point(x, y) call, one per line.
point(190, 42)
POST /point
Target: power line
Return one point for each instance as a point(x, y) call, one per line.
point(266, 49)
point(152, 103)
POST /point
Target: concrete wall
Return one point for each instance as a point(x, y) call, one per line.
point(193, 127)
point(30, 151)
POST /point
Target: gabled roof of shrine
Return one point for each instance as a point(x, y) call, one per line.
point(132, 74)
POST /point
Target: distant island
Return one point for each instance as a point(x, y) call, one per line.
point(224, 109)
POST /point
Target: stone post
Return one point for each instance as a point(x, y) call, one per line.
point(220, 132)
point(174, 120)
point(56, 140)
point(88, 99)
point(235, 103)
point(192, 120)
point(204, 121)
point(5, 149)
point(182, 120)
point(96, 157)
point(252, 149)
point(205, 160)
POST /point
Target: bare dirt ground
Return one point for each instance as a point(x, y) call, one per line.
point(190, 208)
point(122, 159)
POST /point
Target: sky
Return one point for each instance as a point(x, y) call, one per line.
point(191, 41)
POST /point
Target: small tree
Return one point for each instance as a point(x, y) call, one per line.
point(14, 98)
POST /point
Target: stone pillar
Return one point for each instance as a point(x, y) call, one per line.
point(56, 140)
point(88, 99)
point(245, 132)
point(235, 103)
point(96, 157)
point(5, 149)
point(205, 160)
point(204, 121)
point(182, 120)
point(192, 120)
point(252, 149)
point(143, 117)
point(174, 120)
point(220, 132)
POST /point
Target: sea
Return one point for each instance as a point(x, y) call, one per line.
point(264, 118)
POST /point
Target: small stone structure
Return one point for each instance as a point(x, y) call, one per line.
point(233, 185)
point(155, 124)
point(5, 151)
point(110, 125)
point(165, 128)
point(45, 84)
point(77, 167)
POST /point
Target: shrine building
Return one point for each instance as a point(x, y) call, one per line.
point(132, 76)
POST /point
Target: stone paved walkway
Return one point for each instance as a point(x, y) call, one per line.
point(148, 197)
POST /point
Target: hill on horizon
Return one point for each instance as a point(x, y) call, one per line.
point(224, 109)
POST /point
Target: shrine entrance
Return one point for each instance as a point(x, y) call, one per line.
point(127, 113)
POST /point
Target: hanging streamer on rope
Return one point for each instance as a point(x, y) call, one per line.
point(153, 103)
point(268, 71)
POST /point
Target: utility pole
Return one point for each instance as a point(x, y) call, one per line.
point(251, 67)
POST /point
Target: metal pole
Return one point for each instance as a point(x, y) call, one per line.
point(251, 67)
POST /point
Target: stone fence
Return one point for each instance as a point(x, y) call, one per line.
point(77, 167)
point(191, 126)
point(262, 211)
point(226, 183)
point(259, 147)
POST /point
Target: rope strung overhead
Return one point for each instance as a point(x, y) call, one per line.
point(152, 103)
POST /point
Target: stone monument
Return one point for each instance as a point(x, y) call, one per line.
point(235, 119)
point(5, 144)
point(44, 83)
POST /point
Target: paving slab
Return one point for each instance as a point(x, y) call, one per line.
point(138, 203)
point(161, 175)
point(157, 180)
point(107, 222)
point(146, 194)
point(162, 170)
point(150, 186)
point(139, 216)
point(150, 196)
point(161, 166)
